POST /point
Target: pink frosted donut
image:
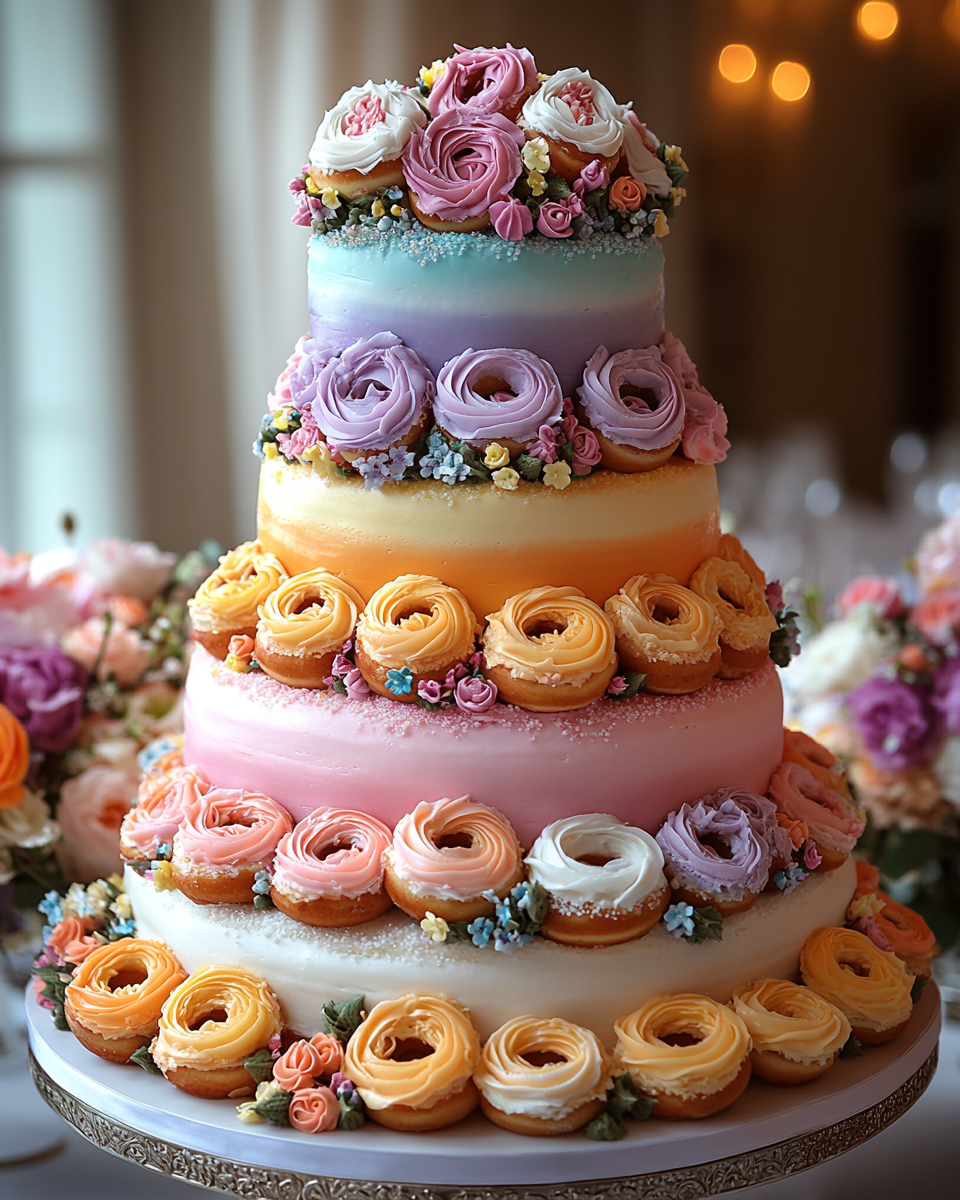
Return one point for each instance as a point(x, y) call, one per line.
point(832, 821)
point(329, 869)
point(158, 812)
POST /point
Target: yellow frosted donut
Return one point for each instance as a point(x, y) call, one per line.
point(797, 1034)
point(219, 1016)
point(691, 1054)
point(412, 1059)
point(733, 550)
point(745, 616)
point(871, 987)
point(226, 603)
point(667, 632)
point(550, 649)
point(114, 999)
point(302, 626)
point(418, 623)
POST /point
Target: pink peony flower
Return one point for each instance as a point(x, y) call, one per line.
point(586, 450)
point(556, 218)
point(298, 1066)
point(457, 672)
point(125, 656)
point(511, 219)
point(43, 688)
point(357, 687)
point(545, 447)
point(883, 595)
point(937, 615)
point(314, 1110)
point(119, 567)
point(475, 695)
point(92, 808)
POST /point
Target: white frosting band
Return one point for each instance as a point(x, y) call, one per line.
point(335, 150)
point(550, 115)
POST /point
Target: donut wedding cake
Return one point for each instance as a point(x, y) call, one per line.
point(484, 799)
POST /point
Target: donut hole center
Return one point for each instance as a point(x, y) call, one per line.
point(415, 610)
point(683, 1037)
point(218, 1015)
point(488, 386)
point(594, 860)
point(410, 1049)
point(733, 601)
point(855, 968)
point(719, 845)
point(332, 848)
point(130, 977)
point(666, 611)
point(537, 630)
point(542, 1058)
point(638, 399)
point(461, 840)
point(309, 602)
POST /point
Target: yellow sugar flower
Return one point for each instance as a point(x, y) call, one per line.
point(537, 183)
point(396, 210)
point(331, 198)
point(671, 154)
point(557, 475)
point(281, 422)
point(864, 906)
point(121, 907)
point(377, 210)
point(428, 75)
point(247, 1113)
point(270, 450)
point(536, 155)
point(232, 663)
point(435, 927)
point(506, 478)
point(676, 195)
point(661, 226)
point(163, 877)
point(318, 457)
point(496, 455)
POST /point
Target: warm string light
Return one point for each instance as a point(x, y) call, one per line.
point(877, 20)
point(790, 81)
point(951, 18)
point(737, 63)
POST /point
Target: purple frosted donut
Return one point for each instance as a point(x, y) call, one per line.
point(485, 79)
point(691, 864)
point(651, 420)
point(763, 817)
point(534, 397)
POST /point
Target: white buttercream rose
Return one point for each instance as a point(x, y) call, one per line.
point(367, 126)
point(573, 107)
point(642, 163)
point(28, 824)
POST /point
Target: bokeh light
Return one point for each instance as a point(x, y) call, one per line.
point(878, 20)
point(951, 18)
point(790, 81)
point(738, 63)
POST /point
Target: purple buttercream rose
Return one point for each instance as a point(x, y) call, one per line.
point(357, 687)
point(44, 689)
point(475, 694)
point(945, 695)
point(895, 721)
point(694, 864)
point(633, 398)
point(373, 394)
point(298, 383)
point(594, 175)
point(532, 397)
point(486, 79)
point(511, 219)
point(430, 690)
point(762, 814)
point(555, 218)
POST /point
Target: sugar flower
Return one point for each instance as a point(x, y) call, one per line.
point(557, 475)
point(399, 682)
point(679, 920)
point(506, 478)
point(475, 694)
point(511, 219)
point(436, 928)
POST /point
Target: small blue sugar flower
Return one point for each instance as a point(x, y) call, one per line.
point(400, 682)
point(125, 928)
point(453, 469)
point(679, 920)
point(52, 907)
point(789, 879)
point(521, 893)
point(480, 930)
point(510, 942)
point(399, 459)
point(261, 883)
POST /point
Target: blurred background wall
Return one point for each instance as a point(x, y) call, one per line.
point(151, 284)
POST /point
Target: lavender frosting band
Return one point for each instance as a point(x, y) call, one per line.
point(689, 863)
point(372, 394)
point(467, 415)
point(486, 79)
point(763, 817)
point(626, 419)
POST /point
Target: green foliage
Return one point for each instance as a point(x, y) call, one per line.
point(344, 1019)
point(635, 681)
point(707, 925)
point(55, 980)
point(260, 1065)
point(529, 467)
point(143, 1058)
point(851, 1048)
point(350, 1118)
point(274, 1105)
point(623, 1102)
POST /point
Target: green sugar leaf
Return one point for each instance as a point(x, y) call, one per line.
point(707, 925)
point(605, 1128)
point(342, 1020)
point(350, 1118)
point(260, 1065)
point(851, 1048)
point(143, 1058)
point(528, 467)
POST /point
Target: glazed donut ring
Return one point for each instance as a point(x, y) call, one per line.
point(666, 632)
point(796, 1033)
point(800, 748)
point(833, 822)
point(216, 1018)
point(733, 550)
point(226, 602)
point(415, 622)
point(871, 987)
point(114, 999)
point(302, 626)
point(411, 1061)
point(550, 649)
point(686, 1080)
point(561, 1093)
point(745, 616)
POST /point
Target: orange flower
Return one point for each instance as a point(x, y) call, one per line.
point(627, 195)
point(69, 941)
point(314, 1110)
point(128, 611)
point(913, 658)
point(297, 1067)
point(330, 1052)
point(797, 829)
point(14, 758)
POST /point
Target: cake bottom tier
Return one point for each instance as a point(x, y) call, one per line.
point(390, 956)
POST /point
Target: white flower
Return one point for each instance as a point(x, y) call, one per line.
point(506, 478)
point(536, 155)
point(843, 655)
point(28, 824)
point(383, 140)
point(547, 112)
point(121, 568)
point(946, 769)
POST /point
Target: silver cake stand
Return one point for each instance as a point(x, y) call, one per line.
point(768, 1134)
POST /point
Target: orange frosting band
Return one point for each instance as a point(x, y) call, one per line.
point(130, 1010)
point(14, 758)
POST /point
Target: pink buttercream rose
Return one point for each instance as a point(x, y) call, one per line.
point(294, 445)
point(125, 656)
point(555, 219)
point(242, 646)
point(91, 811)
point(883, 595)
point(937, 615)
point(938, 558)
point(313, 1110)
point(545, 447)
point(475, 695)
point(586, 450)
point(511, 219)
point(705, 423)
point(329, 1052)
point(485, 79)
point(594, 175)
point(298, 1066)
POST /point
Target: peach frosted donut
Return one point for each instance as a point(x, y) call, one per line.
point(604, 879)
point(745, 616)
point(414, 629)
point(114, 999)
point(733, 550)
point(832, 821)
point(329, 869)
point(412, 1060)
point(687, 1052)
point(667, 633)
point(226, 603)
point(158, 812)
point(542, 1077)
point(800, 748)
point(871, 987)
point(446, 854)
point(797, 1034)
point(219, 1016)
point(550, 649)
point(225, 838)
point(906, 932)
point(303, 625)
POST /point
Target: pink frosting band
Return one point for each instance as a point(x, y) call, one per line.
point(160, 807)
point(537, 398)
point(231, 828)
point(649, 421)
point(829, 817)
point(333, 852)
point(486, 80)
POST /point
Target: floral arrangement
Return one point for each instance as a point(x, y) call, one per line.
point(517, 918)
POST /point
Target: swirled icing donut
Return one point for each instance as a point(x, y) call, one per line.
point(226, 603)
point(731, 877)
point(733, 550)
point(688, 1052)
point(666, 632)
point(800, 748)
point(762, 814)
point(579, 119)
point(634, 403)
point(114, 999)
point(225, 838)
point(550, 649)
point(906, 932)
point(157, 814)
point(604, 878)
point(329, 869)
point(446, 854)
point(796, 1033)
point(832, 821)
point(745, 616)
point(485, 80)
point(871, 987)
point(411, 1061)
point(302, 626)
point(418, 623)
point(497, 395)
point(542, 1076)
point(219, 1016)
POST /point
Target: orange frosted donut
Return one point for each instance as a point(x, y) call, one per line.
point(800, 748)
point(687, 1052)
point(412, 1060)
point(907, 933)
point(225, 838)
point(158, 812)
point(414, 629)
point(732, 549)
point(550, 649)
point(446, 854)
point(796, 1033)
point(542, 1077)
point(226, 603)
point(114, 999)
point(303, 625)
point(218, 1017)
point(667, 633)
point(329, 870)
point(871, 987)
point(832, 821)
point(745, 616)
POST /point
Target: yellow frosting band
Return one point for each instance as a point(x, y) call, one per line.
point(871, 987)
point(790, 1020)
point(417, 622)
point(230, 597)
point(128, 1009)
point(310, 613)
point(657, 617)
point(744, 613)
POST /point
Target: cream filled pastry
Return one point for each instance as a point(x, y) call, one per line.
point(604, 879)
point(226, 603)
point(542, 1077)
point(667, 633)
point(446, 854)
point(329, 869)
point(579, 120)
point(745, 616)
point(158, 812)
point(550, 649)
point(412, 1060)
point(485, 79)
point(763, 816)
point(303, 625)
point(832, 821)
point(689, 1053)
point(796, 1033)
